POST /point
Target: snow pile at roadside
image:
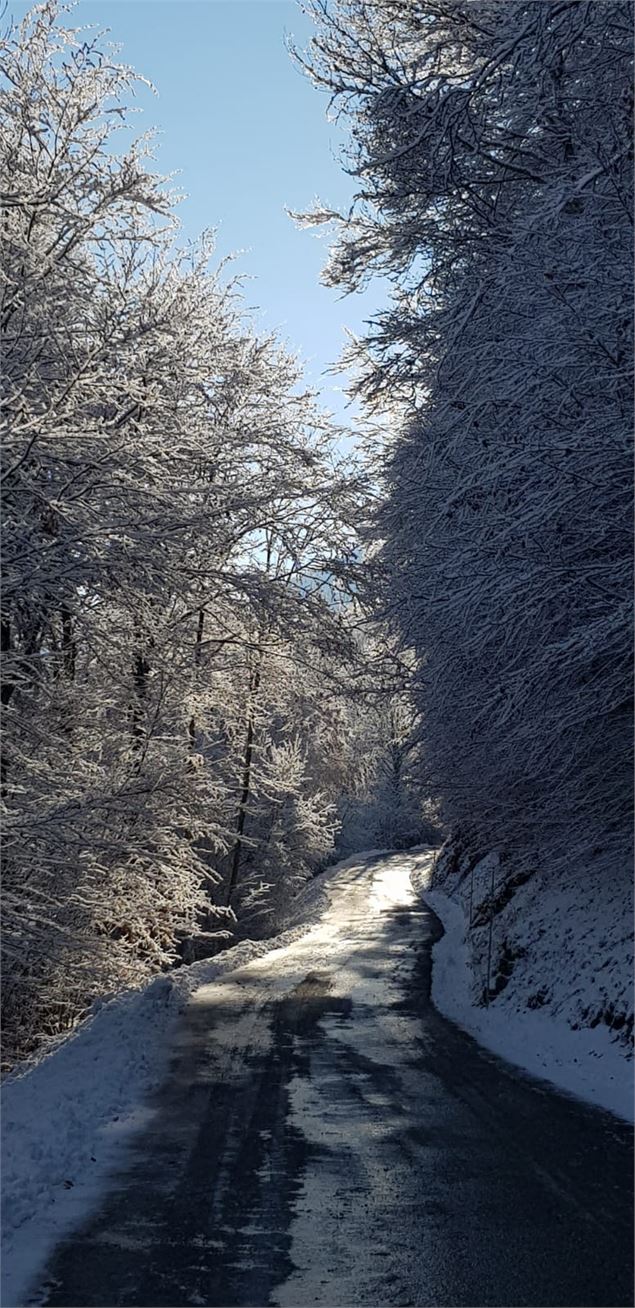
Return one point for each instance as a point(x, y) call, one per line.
point(561, 974)
point(67, 1119)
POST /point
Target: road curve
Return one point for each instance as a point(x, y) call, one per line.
point(325, 1137)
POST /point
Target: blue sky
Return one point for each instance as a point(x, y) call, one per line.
point(249, 135)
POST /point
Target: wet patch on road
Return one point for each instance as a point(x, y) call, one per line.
point(220, 1235)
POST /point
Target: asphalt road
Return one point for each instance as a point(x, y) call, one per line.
point(326, 1137)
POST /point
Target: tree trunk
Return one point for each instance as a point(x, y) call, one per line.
point(140, 677)
point(69, 647)
point(6, 646)
point(246, 788)
point(6, 693)
point(197, 663)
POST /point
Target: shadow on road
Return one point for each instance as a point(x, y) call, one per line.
point(444, 1176)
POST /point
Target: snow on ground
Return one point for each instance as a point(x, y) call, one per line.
point(67, 1119)
point(562, 963)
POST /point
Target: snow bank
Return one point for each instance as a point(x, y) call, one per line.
point(67, 1119)
point(561, 998)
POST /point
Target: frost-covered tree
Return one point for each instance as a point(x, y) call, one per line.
point(491, 144)
point(176, 531)
point(382, 803)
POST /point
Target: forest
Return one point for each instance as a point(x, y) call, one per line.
point(234, 651)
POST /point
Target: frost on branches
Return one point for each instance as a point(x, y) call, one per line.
point(491, 144)
point(177, 530)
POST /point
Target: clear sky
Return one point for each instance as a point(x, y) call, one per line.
point(249, 136)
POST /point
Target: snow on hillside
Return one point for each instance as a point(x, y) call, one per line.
point(561, 972)
point(67, 1118)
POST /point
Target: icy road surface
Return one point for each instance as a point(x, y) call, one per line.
point(326, 1137)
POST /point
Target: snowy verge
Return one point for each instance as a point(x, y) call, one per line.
point(586, 1062)
point(67, 1119)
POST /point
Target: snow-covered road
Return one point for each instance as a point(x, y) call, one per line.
point(326, 1137)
